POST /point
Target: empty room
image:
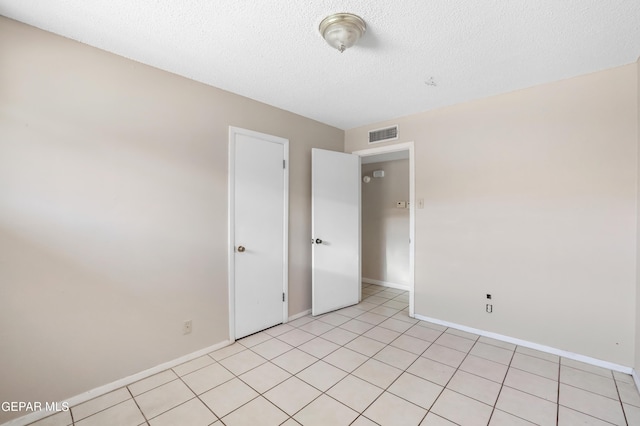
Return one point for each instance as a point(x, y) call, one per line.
point(319, 213)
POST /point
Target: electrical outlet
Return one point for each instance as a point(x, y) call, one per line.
point(489, 308)
point(186, 327)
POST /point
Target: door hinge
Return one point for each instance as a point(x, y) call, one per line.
point(284, 164)
point(283, 296)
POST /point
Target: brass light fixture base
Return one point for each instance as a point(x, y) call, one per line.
point(342, 30)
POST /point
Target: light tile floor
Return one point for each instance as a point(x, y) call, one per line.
point(365, 365)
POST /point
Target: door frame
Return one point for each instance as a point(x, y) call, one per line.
point(231, 223)
point(405, 146)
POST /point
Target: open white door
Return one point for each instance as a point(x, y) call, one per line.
point(335, 192)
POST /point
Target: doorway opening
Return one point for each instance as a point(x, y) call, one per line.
point(388, 217)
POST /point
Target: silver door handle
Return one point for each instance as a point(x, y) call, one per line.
point(241, 249)
point(318, 241)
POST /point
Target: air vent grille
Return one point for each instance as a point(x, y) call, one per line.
point(381, 135)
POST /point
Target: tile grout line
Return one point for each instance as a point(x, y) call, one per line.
point(220, 384)
point(454, 373)
point(624, 413)
point(198, 396)
point(502, 386)
point(99, 411)
point(260, 394)
point(136, 402)
point(532, 373)
point(443, 387)
point(558, 393)
point(592, 393)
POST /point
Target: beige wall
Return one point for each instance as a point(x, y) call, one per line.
point(113, 213)
point(385, 228)
point(531, 196)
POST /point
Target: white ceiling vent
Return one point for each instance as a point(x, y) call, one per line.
point(383, 135)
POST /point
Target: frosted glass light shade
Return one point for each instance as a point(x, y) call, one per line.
point(342, 30)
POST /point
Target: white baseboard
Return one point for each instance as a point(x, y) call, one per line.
point(548, 349)
point(101, 390)
point(299, 315)
point(386, 284)
point(636, 378)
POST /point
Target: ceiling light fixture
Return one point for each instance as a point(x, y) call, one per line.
point(342, 30)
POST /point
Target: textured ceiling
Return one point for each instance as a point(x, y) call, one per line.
point(271, 51)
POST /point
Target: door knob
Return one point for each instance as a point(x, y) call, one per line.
point(318, 241)
point(241, 249)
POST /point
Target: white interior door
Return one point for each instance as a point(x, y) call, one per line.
point(258, 232)
point(335, 230)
